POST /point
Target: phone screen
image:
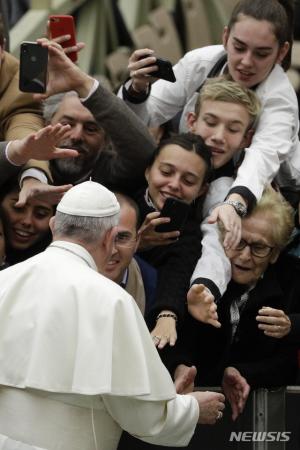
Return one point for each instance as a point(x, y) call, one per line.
point(33, 67)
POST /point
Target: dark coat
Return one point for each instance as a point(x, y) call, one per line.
point(264, 361)
point(174, 263)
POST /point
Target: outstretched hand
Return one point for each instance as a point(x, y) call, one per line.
point(232, 224)
point(201, 305)
point(32, 188)
point(184, 378)
point(236, 390)
point(41, 145)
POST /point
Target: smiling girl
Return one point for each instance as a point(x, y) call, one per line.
point(26, 228)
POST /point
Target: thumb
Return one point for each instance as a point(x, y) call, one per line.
point(213, 217)
point(22, 199)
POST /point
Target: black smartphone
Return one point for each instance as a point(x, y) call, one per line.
point(165, 70)
point(33, 67)
point(178, 211)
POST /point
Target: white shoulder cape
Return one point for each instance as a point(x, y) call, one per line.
point(65, 328)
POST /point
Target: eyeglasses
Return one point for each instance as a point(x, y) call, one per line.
point(123, 239)
point(256, 249)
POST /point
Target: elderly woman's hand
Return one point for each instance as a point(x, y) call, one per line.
point(273, 322)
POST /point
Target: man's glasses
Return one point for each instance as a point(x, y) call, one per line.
point(124, 239)
point(256, 249)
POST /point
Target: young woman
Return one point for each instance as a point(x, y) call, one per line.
point(256, 53)
point(26, 228)
point(180, 168)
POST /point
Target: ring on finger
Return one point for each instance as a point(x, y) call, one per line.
point(220, 415)
point(157, 338)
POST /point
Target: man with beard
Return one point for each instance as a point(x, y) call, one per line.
point(99, 132)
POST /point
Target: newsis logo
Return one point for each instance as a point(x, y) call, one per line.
point(260, 436)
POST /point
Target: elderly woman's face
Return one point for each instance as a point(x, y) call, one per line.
point(249, 262)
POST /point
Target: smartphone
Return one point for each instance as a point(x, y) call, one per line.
point(60, 25)
point(165, 70)
point(178, 211)
point(33, 68)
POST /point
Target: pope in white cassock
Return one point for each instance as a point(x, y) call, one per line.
point(77, 364)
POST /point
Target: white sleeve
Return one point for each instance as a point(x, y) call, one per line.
point(213, 263)
point(167, 99)
point(276, 137)
point(33, 173)
point(170, 422)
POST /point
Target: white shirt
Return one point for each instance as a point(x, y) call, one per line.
point(275, 142)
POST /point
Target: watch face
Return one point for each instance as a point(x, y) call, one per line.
point(240, 209)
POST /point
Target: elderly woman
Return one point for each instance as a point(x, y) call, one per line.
point(241, 355)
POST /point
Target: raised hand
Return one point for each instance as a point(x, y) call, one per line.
point(32, 188)
point(41, 145)
point(63, 74)
point(140, 65)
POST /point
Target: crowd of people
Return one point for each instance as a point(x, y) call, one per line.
point(108, 323)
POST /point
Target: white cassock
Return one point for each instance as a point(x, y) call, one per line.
point(77, 363)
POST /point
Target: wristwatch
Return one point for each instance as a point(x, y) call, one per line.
point(240, 209)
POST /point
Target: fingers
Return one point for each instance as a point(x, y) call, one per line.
point(273, 322)
point(211, 404)
point(213, 217)
point(164, 332)
point(214, 322)
point(64, 153)
point(22, 199)
point(142, 63)
point(161, 341)
point(233, 236)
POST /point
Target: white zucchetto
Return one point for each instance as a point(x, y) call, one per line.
point(89, 199)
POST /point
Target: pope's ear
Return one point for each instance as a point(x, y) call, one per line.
point(52, 223)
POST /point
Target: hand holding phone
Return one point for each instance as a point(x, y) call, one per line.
point(60, 25)
point(165, 70)
point(178, 211)
point(33, 68)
